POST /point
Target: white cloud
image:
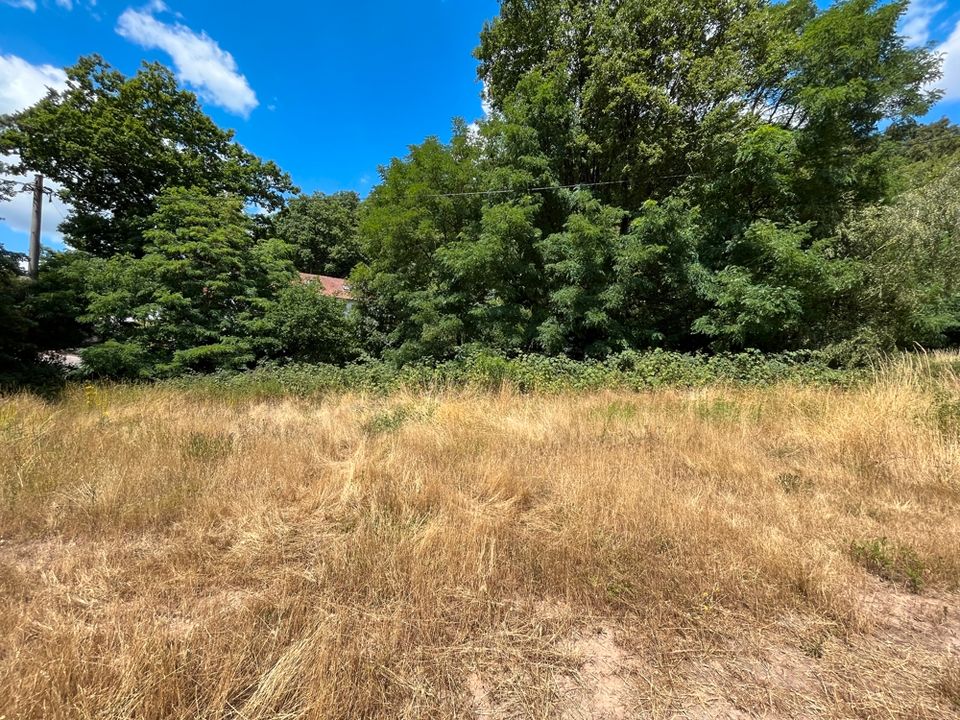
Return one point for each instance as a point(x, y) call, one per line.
point(16, 213)
point(917, 20)
point(198, 59)
point(21, 85)
point(30, 5)
point(950, 49)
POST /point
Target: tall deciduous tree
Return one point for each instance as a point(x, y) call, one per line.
point(653, 172)
point(323, 229)
point(196, 299)
point(16, 348)
point(114, 144)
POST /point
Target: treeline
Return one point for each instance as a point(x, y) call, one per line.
point(712, 177)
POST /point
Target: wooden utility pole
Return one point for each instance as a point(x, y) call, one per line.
point(34, 263)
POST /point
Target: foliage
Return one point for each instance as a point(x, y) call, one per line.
point(923, 152)
point(194, 300)
point(323, 229)
point(16, 349)
point(780, 291)
point(721, 148)
point(911, 262)
point(114, 144)
point(693, 177)
point(310, 326)
point(419, 303)
point(20, 365)
point(614, 290)
point(58, 299)
point(890, 561)
point(527, 373)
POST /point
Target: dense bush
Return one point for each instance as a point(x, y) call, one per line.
point(528, 373)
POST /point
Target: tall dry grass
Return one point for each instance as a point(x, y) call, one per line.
point(779, 552)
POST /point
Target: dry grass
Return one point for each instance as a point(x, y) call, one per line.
point(724, 553)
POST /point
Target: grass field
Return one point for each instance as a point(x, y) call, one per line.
point(728, 552)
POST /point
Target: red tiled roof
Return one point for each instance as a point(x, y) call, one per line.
point(330, 286)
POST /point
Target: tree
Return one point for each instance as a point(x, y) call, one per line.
point(114, 144)
point(196, 298)
point(404, 291)
point(58, 299)
point(16, 348)
point(779, 291)
point(613, 291)
point(650, 174)
point(923, 152)
point(309, 326)
point(655, 98)
point(910, 251)
point(324, 231)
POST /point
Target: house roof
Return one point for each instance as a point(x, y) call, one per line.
point(330, 286)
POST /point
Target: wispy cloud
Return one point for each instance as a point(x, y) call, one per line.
point(30, 5)
point(22, 84)
point(950, 49)
point(918, 19)
point(198, 59)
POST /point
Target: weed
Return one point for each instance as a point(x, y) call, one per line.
point(96, 399)
point(946, 413)
point(814, 646)
point(890, 561)
point(718, 410)
point(794, 483)
point(616, 411)
point(207, 447)
point(387, 421)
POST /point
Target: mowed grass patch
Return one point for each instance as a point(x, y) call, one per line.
point(481, 553)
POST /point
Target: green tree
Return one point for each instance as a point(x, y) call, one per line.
point(115, 144)
point(614, 291)
point(58, 299)
point(910, 251)
point(324, 230)
point(195, 300)
point(656, 98)
point(308, 326)
point(780, 291)
point(923, 152)
point(407, 219)
point(16, 349)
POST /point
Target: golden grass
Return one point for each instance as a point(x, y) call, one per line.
point(719, 553)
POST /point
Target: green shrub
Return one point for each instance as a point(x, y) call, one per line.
point(389, 420)
point(890, 561)
point(524, 373)
point(113, 359)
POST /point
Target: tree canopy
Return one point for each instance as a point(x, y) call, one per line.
point(709, 175)
point(323, 229)
point(651, 174)
point(114, 144)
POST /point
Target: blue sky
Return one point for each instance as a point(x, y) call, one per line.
point(329, 90)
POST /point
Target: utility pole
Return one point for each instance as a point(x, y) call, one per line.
point(34, 264)
point(36, 188)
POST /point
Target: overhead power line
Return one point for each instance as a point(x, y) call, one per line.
point(526, 190)
point(906, 142)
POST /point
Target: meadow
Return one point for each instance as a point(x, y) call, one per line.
point(785, 549)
